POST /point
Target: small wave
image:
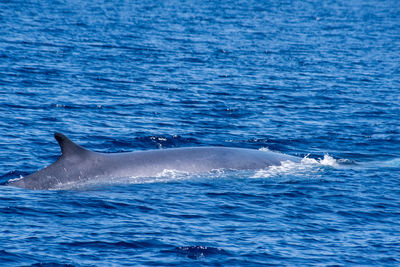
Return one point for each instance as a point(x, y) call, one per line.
point(105, 244)
point(51, 264)
point(374, 164)
point(392, 163)
point(199, 252)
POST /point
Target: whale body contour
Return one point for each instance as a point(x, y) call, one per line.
point(77, 164)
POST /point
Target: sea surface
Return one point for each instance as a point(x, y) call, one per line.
point(319, 80)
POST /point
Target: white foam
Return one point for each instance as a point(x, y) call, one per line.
point(275, 171)
point(306, 167)
point(171, 174)
point(326, 161)
point(15, 179)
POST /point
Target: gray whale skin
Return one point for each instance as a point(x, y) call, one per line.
point(77, 164)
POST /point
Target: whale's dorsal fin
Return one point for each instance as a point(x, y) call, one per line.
point(69, 148)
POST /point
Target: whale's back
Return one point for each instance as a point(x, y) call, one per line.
point(77, 164)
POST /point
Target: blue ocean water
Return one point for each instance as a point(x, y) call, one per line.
point(317, 80)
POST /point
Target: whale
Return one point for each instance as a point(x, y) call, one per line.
point(78, 164)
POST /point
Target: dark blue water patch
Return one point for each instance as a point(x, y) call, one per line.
point(110, 245)
point(10, 258)
point(166, 141)
point(52, 264)
point(198, 252)
point(141, 142)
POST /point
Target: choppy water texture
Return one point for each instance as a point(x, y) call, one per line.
point(299, 77)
